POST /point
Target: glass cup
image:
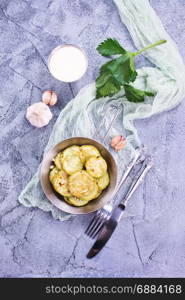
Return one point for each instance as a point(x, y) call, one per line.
point(67, 63)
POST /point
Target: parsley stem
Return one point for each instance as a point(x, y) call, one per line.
point(149, 46)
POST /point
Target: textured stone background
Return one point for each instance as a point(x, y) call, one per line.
point(32, 244)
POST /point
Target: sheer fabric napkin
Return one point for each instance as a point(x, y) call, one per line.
point(82, 114)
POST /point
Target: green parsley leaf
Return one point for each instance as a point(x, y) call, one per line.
point(119, 72)
point(135, 95)
point(106, 85)
point(115, 73)
point(122, 68)
point(110, 47)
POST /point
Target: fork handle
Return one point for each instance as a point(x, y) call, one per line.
point(118, 212)
point(127, 172)
point(138, 180)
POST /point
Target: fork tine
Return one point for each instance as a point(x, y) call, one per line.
point(98, 225)
point(92, 223)
point(93, 230)
point(97, 229)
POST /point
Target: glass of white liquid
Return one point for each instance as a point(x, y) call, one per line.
point(67, 63)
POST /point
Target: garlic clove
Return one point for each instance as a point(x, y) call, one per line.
point(53, 99)
point(38, 114)
point(115, 140)
point(46, 96)
point(118, 142)
point(49, 97)
point(120, 145)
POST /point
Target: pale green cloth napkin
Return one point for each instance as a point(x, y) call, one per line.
point(81, 115)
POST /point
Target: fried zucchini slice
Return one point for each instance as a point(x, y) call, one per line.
point(92, 194)
point(98, 193)
point(82, 156)
point(60, 183)
point(81, 184)
point(67, 200)
point(96, 166)
point(77, 201)
point(72, 164)
point(88, 151)
point(58, 161)
point(73, 150)
point(72, 200)
point(103, 181)
point(52, 173)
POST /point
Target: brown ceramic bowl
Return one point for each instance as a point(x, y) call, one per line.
point(58, 200)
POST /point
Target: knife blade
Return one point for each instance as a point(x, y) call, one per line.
point(111, 224)
point(106, 231)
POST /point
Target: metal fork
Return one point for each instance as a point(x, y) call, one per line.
point(118, 212)
point(104, 213)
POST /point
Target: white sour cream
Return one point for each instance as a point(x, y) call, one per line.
point(67, 63)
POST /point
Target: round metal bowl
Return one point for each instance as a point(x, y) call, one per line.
point(58, 200)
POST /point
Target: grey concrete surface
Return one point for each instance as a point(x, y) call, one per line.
point(32, 243)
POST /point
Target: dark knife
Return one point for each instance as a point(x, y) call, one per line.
point(117, 213)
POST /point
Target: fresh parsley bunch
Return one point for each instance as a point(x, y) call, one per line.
point(120, 71)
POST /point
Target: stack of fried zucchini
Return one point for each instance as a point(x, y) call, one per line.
point(79, 174)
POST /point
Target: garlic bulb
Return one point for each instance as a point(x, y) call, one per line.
point(49, 97)
point(38, 114)
point(118, 142)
